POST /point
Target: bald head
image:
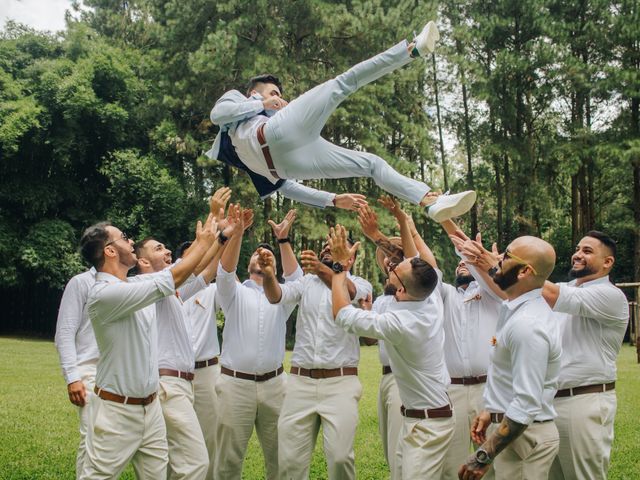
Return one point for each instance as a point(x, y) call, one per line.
point(536, 252)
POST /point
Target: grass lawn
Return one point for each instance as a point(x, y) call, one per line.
point(38, 425)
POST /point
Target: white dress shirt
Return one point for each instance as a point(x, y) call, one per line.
point(201, 314)
point(241, 117)
point(380, 305)
point(523, 374)
point(414, 341)
point(74, 338)
point(320, 343)
point(470, 318)
point(593, 319)
point(253, 338)
point(175, 350)
point(123, 318)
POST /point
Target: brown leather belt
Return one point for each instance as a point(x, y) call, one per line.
point(113, 397)
point(498, 417)
point(250, 376)
point(167, 372)
point(265, 151)
point(469, 380)
point(324, 372)
point(599, 388)
point(440, 412)
point(386, 369)
point(207, 363)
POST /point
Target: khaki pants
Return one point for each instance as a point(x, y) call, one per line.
point(467, 404)
point(206, 406)
point(88, 377)
point(243, 404)
point(528, 457)
point(389, 419)
point(585, 424)
point(422, 447)
point(121, 433)
point(188, 456)
point(330, 402)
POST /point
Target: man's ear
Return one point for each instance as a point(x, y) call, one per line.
point(110, 252)
point(609, 260)
point(143, 262)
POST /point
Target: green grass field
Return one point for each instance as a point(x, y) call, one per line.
point(38, 425)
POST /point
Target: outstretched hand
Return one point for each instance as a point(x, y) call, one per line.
point(310, 262)
point(369, 222)
point(340, 251)
point(350, 201)
point(474, 252)
point(218, 202)
point(281, 230)
point(207, 232)
point(393, 206)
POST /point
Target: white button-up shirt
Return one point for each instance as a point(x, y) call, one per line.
point(175, 350)
point(201, 314)
point(74, 338)
point(253, 338)
point(593, 319)
point(320, 343)
point(523, 374)
point(380, 306)
point(127, 332)
point(470, 318)
point(414, 341)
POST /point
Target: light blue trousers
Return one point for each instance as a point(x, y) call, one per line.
point(298, 151)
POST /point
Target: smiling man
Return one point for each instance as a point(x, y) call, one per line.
point(593, 316)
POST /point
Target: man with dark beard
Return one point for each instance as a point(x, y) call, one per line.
point(523, 373)
point(592, 314)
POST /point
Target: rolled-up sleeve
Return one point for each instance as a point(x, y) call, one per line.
point(114, 301)
point(602, 302)
point(385, 326)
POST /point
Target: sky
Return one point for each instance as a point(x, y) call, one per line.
point(38, 14)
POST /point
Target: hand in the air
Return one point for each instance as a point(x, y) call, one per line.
point(350, 201)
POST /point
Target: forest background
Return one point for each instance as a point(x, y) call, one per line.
point(535, 104)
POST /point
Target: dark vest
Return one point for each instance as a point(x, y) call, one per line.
point(228, 155)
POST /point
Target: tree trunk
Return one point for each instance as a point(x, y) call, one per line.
point(467, 142)
point(442, 156)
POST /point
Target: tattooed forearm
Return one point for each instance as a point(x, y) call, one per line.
point(507, 432)
point(393, 252)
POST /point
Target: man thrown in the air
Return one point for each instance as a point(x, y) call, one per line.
point(275, 145)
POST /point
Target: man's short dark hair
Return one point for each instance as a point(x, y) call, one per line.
point(422, 279)
point(606, 240)
point(138, 246)
point(182, 248)
point(264, 78)
point(92, 243)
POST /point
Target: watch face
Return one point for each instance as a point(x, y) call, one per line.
point(337, 267)
point(482, 457)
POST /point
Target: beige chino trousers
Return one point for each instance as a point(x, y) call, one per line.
point(528, 457)
point(188, 456)
point(309, 403)
point(88, 377)
point(389, 419)
point(585, 424)
point(122, 433)
point(467, 403)
point(243, 405)
point(206, 406)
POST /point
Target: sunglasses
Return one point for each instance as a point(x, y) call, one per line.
point(520, 261)
point(124, 237)
point(392, 269)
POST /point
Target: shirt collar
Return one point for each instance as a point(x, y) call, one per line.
point(251, 284)
point(525, 297)
point(106, 277)
point(596, 281)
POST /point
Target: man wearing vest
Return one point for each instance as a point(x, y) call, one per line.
point(275, 141)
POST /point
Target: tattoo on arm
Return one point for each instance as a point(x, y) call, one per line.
point(507, 432)
point(393, 252)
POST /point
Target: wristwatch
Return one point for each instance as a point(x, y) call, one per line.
point(337, 267)
point(482, 457)
point(284, 240)
point(222, 238)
